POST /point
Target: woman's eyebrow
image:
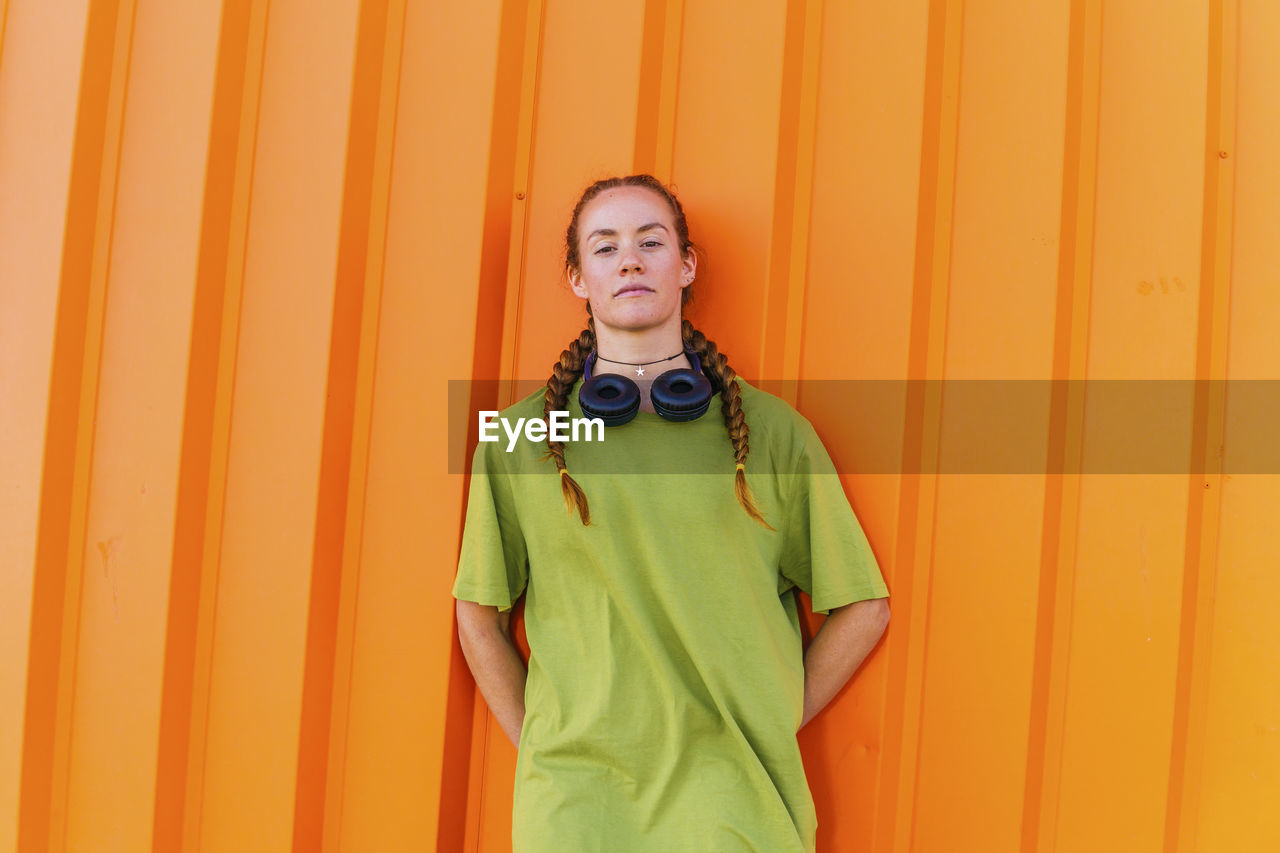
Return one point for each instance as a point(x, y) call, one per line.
point(609, 232)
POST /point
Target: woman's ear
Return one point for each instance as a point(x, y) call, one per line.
point(575, 282)
point(689, 267)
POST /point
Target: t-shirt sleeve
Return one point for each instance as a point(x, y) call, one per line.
point(825, 551)
point(493, 565)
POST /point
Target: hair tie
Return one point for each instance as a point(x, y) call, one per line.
point(564, 472)
point(741, 467)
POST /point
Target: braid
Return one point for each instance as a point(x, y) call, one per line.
point(717, 368)
point(563, 375)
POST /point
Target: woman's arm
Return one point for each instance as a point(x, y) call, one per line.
point(838, 649)
point(485, 634)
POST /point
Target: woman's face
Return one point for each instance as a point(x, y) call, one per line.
point(632, 271)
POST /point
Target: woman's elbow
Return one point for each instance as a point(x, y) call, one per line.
point(882, 612)
point(481, 620)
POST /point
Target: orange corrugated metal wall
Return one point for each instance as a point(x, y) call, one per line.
point(244, 246)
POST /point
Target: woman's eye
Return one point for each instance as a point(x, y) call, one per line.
point(648, 244)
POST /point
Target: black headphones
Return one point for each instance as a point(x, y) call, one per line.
point(677, 395)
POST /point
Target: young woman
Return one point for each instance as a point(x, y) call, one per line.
point(666, 680)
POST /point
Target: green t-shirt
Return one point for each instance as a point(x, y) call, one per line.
point(665, 677)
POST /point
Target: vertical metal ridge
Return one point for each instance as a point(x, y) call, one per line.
point(792, 195)
point(57, 469)
point(86, 434)
point(802, 208)
point(531, 73)
point(246, 119)
point(918, 498)
point(1060, 518)
point(476, 774)
point(664, 152)
point(506, 193)
point(649, 98)
point(4, 26)
point(70, 427)
point(663, 32)
point(656, 106)
point(525, 126)
point(500, 196)
point(782, 212)
point(348, 419)
point(215, 311)
point(1204, 498)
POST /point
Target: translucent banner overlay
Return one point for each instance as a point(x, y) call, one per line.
point(979, 426)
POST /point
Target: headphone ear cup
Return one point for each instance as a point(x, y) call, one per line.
point(612, 398)
point(681, 395)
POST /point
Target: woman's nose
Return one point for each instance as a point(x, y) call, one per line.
point(630, 262)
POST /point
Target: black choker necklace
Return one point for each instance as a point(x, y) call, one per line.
point(639, 365)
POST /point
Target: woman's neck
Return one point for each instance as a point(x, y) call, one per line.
point(621, 351)
point(649, 345)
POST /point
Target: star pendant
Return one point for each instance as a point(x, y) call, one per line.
point(639, 371)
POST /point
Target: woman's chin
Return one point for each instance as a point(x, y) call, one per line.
point(637, 321)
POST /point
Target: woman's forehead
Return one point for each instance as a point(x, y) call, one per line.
point(620, 205)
